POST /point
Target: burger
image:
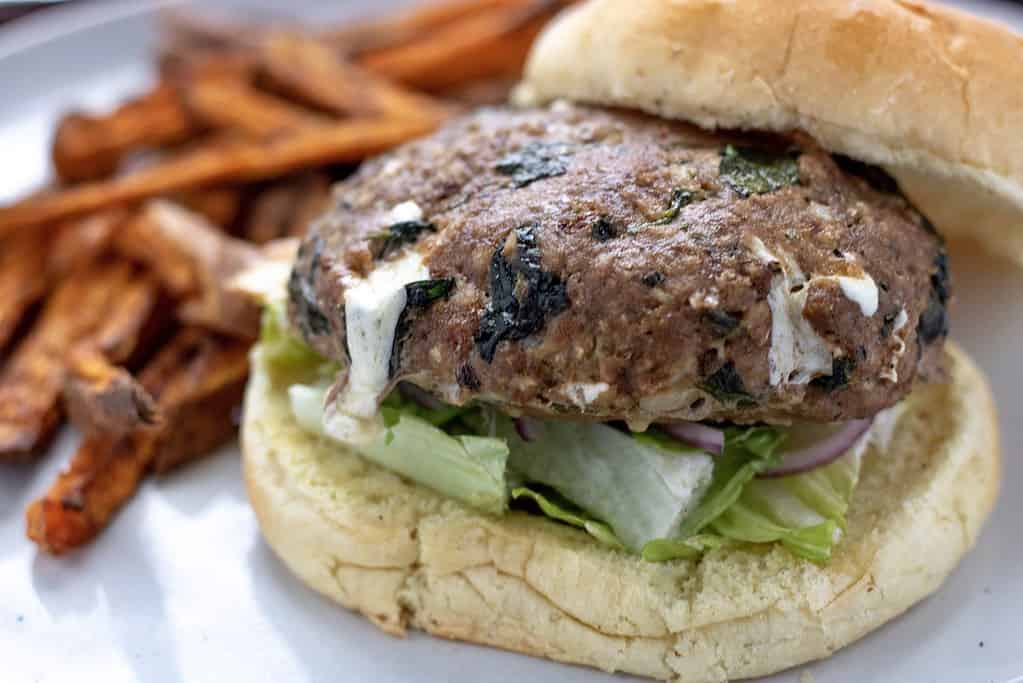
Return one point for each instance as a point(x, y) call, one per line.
point(649, 372)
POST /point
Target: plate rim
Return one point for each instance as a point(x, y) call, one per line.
point(55, 23)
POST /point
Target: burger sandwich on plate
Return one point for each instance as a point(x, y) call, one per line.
point(650, 372)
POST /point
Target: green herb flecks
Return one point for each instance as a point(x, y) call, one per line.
point(749, 170)
point(680, 199)
point(400, 234)
point(424, 292)
point(515, 313)
point(418, 297)
point(535, 161)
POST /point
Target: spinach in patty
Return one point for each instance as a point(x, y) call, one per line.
point(400, 234)
point(516, 312)
point(726, 385)
point(751, 170)
point(535, 161)
point(418, 297)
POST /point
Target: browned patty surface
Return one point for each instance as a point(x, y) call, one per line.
point(579, 245)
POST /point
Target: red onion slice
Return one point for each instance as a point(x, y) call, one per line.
point(528, 428)
point(812, 446)
point(420, 396)
point(695, 434)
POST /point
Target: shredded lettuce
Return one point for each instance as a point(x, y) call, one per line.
point(640, 490)
point(645, 492)
point(556, 507)
point(464, 467)
point(395, 405)
point(665, 549)
point(281, 348)
point(747, 452)
point(804, 512)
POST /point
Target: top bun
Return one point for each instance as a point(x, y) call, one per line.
point(929, 93)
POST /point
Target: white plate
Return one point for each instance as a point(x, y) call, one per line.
point(182, 588)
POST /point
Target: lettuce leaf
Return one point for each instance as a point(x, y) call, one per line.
point(281, 348)
point(665, 549)
point(804, 512)
point(556, 507)
point(747, 452)
point(465, 467)
point(642, 491)
point(395, 404)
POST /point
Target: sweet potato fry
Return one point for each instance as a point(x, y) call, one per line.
point(494, 43)
point(180, 62)
point(219, 205)
point(200, 406)
point(102, 398)
point(194, 379)
point(227, 162)
point(270, 213)
point(81, 241)
point(143, 239)
point(194, 260)
point(287, 208)
point(91, 147)
point(23, 280)
point(134, 318)
point(408, 25)
point(104, 472)
point(235, 106)
point(98, 395)
point(32, 380)
point(314, 73)
point(313, 200)
point(30, 264)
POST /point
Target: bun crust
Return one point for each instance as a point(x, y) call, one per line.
point(406, 557)
point(923, 90)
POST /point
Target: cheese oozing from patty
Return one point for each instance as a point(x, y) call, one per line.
point(373, 306)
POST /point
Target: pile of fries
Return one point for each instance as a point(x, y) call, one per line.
point(113, 312)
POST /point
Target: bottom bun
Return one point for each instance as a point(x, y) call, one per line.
point(404, 556)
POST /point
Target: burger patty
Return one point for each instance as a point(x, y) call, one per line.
point(589, 262)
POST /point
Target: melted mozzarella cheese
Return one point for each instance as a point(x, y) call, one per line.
point(584, 393)
point(891, 373)
point(860, 290)
point(372, 308)
point(404, 213)
point(797, 353)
